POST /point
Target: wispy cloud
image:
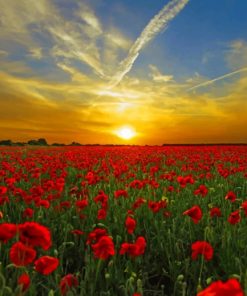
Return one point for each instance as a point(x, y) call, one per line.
point(158, 23)
point(209, 82)
point(158, 77)
point(43, 31)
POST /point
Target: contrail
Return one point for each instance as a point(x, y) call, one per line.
point(159, 22)
point(218, 78)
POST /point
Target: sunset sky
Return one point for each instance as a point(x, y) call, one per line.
point(80, 70)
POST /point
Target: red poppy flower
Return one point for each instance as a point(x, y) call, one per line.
point(231, 196)
point(215, 212)
point(35, 235)
point(3, 190)
point(230, 288)
point(234, 217)
point(104, 248)
point(203, 248)
point(65, 204)
point(28, 213)
point(95, 235)
point(46, 264)
point(141, 245)
point(101, 197)
point(101, 214)
point(138, 184)
point(155, 206)
point(136, 249)
point(77, 232)
point(120, 192)
point(81, 204)
point(202, 190)
point(195, 213)
point(244, 206)
point(181, 180)
point(7, 231)
point(130, 224)
point(43, 203)
point(138, 202)
point(21, 255)
point(67, 282)
point(24, 281)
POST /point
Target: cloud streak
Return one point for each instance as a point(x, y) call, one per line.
point(206, 83)
point(158, 23)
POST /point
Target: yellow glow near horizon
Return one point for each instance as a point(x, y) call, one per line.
point(126, 133)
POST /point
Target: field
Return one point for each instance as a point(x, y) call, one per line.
point(123, 221)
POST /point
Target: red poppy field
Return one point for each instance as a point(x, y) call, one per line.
point(124, 221)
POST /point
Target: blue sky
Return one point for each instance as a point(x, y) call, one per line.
point(103, 62)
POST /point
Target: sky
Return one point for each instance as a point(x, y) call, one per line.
point(80, 70)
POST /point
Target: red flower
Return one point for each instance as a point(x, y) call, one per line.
point(138, 202)
point(195, 213)
point(244, 206)
point(77, 232)
point(43, 203)
point(155, 206)
point(215, 212)
point(28, 212)
point(7, 231)
point(234, 217)
point(65, 204)
point(183, 181)
point(21, 255)
point(35, 235)
point(67, 282)
point(136, 249)
point(3, 190)
point(130, 224)
point(104, 248)
point(120, 192)
point(219, 288)
point(141, 245)
point(24, 281)
point(46, 264)
point(101, 214)
point(81, 204)
point(136, 184)
point(231, 196)
point(95, 235)
point(101, 197)
point(202, 190)
point(203, 248)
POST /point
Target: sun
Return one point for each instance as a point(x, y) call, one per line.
point(126, 132)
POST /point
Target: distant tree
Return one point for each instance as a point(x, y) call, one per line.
point(19, 144)
point(39, 142)
point(75, 144)
point(33, 142)
point(6, 143)
point(42, 142)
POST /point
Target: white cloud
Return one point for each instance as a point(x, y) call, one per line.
point(158, 77)
point(158, 23)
